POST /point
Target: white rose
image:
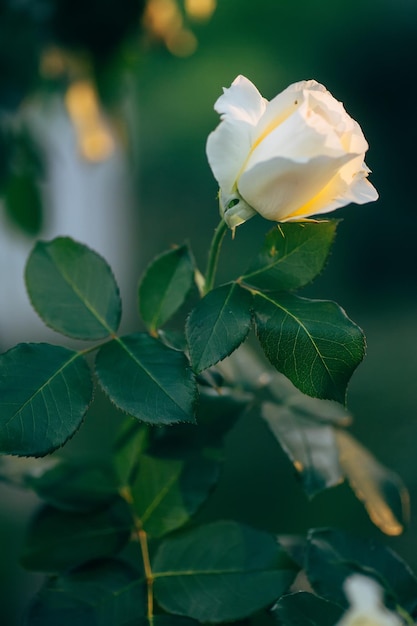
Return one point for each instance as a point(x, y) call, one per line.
point(298, 155)
point(366, 604)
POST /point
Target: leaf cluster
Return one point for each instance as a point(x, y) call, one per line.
point(118, 539)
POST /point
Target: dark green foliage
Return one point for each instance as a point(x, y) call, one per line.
point(147, 379)
point(332, 555)
point(306, 609)
point(218, 325)
point(101, 593)
point(312, 342)
point(292, 255)
point(164, 286)
point(220, 572)
point(45, 392)
point(58, 540)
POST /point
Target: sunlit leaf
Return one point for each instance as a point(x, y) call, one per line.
point(165, 285)
point(73, 289)
point(147, 379)
point(312, 342)
point(306, 609)
point(220, 572)
point(333, 555)
point(218, 325)
point(292, 255)
point(58, 540)
point(167, 491)
point(45, 392)
point(102, 593)
point(310, 446)
point(384, 495)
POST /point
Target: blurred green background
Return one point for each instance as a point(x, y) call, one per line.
point(365, 52)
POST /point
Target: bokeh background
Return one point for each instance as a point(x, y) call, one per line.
point(105, 108)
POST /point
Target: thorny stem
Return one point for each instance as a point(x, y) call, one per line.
point(213, 257)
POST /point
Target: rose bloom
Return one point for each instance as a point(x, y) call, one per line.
point(366, 604)
point(298, 155)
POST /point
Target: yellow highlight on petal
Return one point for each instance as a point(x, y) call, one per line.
point(94, 137)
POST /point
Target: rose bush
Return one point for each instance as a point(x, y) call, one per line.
point(298, 155)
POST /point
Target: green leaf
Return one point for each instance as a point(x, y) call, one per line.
point(332, 556)
point(310, 446)
point(58, 540)
point(306, 609)
point(382, 492)
point(322, 411)
point(73, 289)
point(164, 286)
point(147, 379)
point(292, 255)
point(167, 491)
point(130, 444)
point(218, 325)
point(45, 392)
point(218, 410)
point(73, 486)
point(312, 342)
point(220, 572)
point(102, 593)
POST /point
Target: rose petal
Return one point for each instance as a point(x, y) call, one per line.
point(242, 101)
point(280, 187)
point(229, 144)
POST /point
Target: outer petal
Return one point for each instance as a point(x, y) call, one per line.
point(280, 187)
point(339, 192)
point(242, 101)
point(229, 145)
point(302, 136)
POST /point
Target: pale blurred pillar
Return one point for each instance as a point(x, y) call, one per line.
point(89, 201)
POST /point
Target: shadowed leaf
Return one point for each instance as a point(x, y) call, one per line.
point(102, 593)
point(220, 572)
point(45, 392)
point(58, 539)
point(310, 446)
point(147, 379)
point(164, 286)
